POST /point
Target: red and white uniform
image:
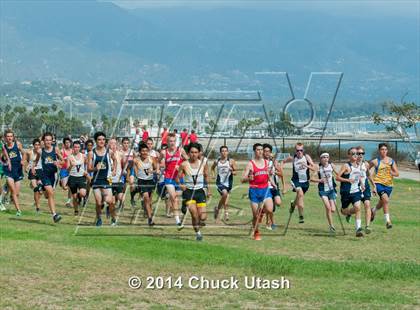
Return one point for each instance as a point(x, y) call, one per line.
point(260, 176)
point(172, 162)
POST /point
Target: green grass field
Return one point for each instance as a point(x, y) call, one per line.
point(46, 265)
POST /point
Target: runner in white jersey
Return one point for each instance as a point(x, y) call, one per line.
point(145, 168)
point(35, 179)
point(77, 182)
point(195, 173)
point(366, 176)
point(129, 154)
point(302, 164)
point(326, 187)
point(224, 168)
point(350, 192)
point(118, 180)
point(276, 172)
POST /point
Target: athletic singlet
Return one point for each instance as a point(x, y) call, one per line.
point(117, 177)
point(300, 171)
point(32, 158)
point(224, 172)
point(326, 173)
point(64, 155)
point(145, 171)
point(78, 165)
point(272, 172)
point(104, 172)
point(383, 173)
point(194, 177)
point(48, 160)
point(171, 163)
point(14, 155)
point(260, 176)
point(350, 188)
point(363, 173)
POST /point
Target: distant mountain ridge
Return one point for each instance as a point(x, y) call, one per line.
point(220, 48)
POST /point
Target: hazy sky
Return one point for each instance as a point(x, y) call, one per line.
point(349, 7)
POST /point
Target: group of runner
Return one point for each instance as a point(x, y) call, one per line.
point(180, 175)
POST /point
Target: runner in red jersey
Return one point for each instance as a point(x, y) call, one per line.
point(164, 137)
point(184, 138)
point(257, 174)
point(173, 157)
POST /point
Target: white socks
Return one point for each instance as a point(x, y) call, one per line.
point(386, 217)
point(358, 223)
point(177, 219)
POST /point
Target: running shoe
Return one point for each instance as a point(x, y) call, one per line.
point(37, 211)
point(76, 213)
point(359, 232)
point(199, 237)
point(372, 214)
point(150, 222)
point(56, 218)
point(388, 225)
point(273, 226)
point(332, 230)
point(292, 206)
point(18, 213)
point(68, 203)
point(2, 207)
point(268, 227)
point(98, 222)
point(113, 222)
point(180, 226)
point(301, 219)
point(226, 216)
point(368, 230)
point(257, 235)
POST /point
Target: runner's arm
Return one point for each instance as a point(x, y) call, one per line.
point(339, 177)
point(178, 179)
point(213, 169)
point(234, 167)
point(311, 165)
point(314, 176)
point(206, 178)
point(90, 162)
point(394, 170)
point(246, 174)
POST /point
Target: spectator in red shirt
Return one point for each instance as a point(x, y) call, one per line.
point(164, 136)
point(145, 135)
point(184, 137)
point(193, 137)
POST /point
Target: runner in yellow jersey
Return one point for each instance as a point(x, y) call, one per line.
point(385, 171)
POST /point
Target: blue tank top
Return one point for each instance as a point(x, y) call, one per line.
point(104, 173)
point(14, 155)
point(47, 160)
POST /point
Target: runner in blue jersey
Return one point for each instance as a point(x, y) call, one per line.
point(51, 160)
point(14, 172)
